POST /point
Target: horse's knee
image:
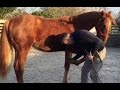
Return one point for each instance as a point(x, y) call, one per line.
point(16, 66)
point(19, 68)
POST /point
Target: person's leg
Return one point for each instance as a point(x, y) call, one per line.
point(95, 69)
point(85, 70)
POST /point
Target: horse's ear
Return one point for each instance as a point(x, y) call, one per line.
point(102, 13)
point(110, 12)
point(113, 20)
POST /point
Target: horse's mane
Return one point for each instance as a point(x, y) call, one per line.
point(71, 18)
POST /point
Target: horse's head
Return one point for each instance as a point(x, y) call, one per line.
point(104, 26)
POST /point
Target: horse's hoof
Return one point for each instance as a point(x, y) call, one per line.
point(64, 81)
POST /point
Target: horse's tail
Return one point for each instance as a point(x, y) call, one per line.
point(5, 51)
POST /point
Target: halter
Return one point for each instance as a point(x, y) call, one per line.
point(98, 28)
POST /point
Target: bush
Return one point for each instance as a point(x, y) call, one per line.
point(44, 14)
point(6, 10)
point(55, 12)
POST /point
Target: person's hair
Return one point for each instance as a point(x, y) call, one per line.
point(61, 37)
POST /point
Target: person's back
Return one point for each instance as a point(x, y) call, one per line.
point(83, 35)
point(86, 40)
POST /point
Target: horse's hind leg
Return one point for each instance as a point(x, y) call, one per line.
point(20, 59)
point(68, 55)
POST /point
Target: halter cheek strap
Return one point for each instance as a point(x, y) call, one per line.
point(98, 27)
point(101, 34)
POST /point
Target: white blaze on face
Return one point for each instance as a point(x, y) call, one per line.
point(109, 25)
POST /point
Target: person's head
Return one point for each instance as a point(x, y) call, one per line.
point(67, 39)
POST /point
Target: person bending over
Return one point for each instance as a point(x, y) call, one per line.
point(86, 44)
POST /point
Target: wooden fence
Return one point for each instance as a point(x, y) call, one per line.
point(1, 24)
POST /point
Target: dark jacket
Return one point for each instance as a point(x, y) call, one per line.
point(85, 41)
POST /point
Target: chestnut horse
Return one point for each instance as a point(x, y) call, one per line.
point(24, 31)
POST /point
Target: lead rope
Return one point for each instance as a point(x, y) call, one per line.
point(95, 68)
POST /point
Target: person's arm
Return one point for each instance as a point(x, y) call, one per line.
point(81, 60)
point(77, 62)
point(74, 59)
point(77, 56)
point(95, 49)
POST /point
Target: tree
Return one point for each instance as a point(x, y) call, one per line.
point(42, 13)
point(10, 12)
point(6, 10)
point(54, 12)
point(15, 13)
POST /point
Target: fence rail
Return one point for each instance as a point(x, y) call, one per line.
point(1, 24)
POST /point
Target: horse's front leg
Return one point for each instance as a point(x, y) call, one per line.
point(68, 56)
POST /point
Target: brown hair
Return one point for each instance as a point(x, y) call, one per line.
point(61, 37)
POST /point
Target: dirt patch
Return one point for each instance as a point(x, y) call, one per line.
point(49, 68)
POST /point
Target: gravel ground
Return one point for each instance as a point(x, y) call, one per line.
point(49, 68)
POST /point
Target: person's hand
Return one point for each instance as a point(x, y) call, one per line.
point(89, 56)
